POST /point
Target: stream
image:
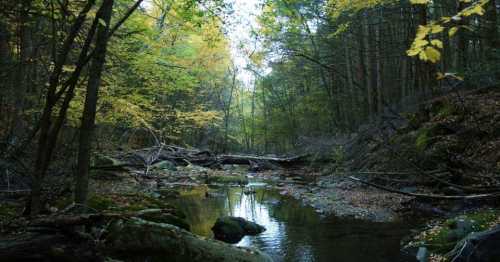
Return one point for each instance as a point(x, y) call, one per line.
point(294, 232)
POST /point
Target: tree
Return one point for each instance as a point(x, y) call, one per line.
point(89, 109)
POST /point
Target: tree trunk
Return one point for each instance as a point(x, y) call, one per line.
point(461, 43)
point(90, 106)
point(368, 63)
point(20, 83)
point(44, 148)
point(379, 75)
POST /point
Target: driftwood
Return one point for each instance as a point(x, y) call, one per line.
point(146, 157)
point(68, 220)
point(426, 196)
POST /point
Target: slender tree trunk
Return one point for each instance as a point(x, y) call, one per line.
point(227, 111)
point(367, 66)
point(461, 43)
point(492, 38)
point(90, 106)
point(44, 148)
point(20, 83)
point(378, 51)
point(350, 86)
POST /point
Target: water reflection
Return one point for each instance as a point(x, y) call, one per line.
point(294, 232)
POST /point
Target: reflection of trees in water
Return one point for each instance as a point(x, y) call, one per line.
point(296, 232)
point(202, 212)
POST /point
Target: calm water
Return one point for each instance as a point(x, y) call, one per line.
point(294, 232)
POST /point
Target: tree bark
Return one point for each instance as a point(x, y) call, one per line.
point(367, 66)
point(44, 149)
point(89, 110)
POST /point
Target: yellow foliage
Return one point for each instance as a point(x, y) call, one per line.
point(420, 45)
point(437, 43)
point(432, 54)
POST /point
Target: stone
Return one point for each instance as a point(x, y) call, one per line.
point(233, 229)
point(479, 247)
point(460, 228)
point(422, 254)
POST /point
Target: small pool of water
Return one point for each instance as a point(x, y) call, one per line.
point(294, 232)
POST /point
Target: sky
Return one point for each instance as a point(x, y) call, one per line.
point(239, 30)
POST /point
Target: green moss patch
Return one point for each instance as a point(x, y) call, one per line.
point(443, 236)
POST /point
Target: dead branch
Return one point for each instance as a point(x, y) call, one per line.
point(426, 196)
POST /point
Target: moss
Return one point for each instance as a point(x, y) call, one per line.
point(442, 238)
point(63, 202)
point(446, 109)
point(422, 139)
point(99, 202)
point(7, 210)
point(413, 120)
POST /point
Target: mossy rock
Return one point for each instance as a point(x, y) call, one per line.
point(233, 229)
point(454, 229)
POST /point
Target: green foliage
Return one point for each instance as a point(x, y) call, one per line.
point(422, 139)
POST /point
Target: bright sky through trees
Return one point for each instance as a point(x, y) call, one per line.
point(239, 28)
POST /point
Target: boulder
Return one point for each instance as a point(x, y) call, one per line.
point(478, 247)
point(140, 240)
point(233, 229)
point(460, 227)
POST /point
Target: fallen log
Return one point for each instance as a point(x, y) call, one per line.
point(426, 196)
point(182, 156)
point(146, 240)
point(66, 220)
point(132, 239)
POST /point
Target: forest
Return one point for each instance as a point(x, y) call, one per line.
point(250, 130)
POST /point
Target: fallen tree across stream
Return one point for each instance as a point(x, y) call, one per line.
point(144, 158)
